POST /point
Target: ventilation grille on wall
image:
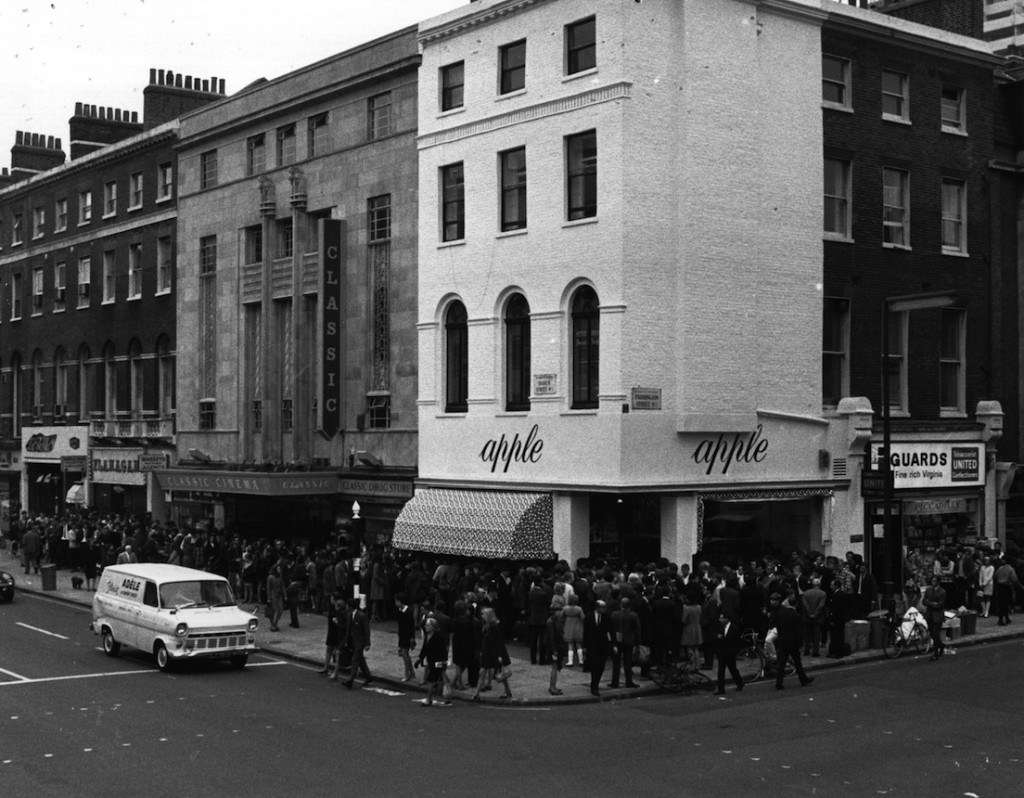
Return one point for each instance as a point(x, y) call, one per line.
point(839, 468)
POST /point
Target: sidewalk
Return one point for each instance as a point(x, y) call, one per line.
point(529, 683)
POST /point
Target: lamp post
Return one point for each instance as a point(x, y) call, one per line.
point(892, 543)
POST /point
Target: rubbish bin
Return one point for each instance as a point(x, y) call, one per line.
point(877, 634)
point(49, 576)
point(968, 623)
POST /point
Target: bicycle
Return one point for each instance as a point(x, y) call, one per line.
point(679, 676)
point(896, 640)
point(756, 661)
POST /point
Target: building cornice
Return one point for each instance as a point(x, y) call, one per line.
point(452, 24)
point(603, 94)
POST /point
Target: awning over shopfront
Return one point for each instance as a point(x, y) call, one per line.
point(476, 523)
point(76, 495)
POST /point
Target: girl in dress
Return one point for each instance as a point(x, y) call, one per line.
point(572, 629)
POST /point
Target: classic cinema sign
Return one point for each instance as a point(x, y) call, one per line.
point(333, 254)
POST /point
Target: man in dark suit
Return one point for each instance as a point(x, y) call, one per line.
point(599, 642)
point(31, 548)
point(730, 635)
point(789, 644)
point(626, 624)
point(358, 642)
point(934, 600)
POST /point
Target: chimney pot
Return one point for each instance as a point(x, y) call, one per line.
point(222, 85)
point(152, 76)
point(93, 112)
point(188, 81)
point(177, 81)
point(135, 117)
point(160, 77)
point(78, 109)
point(57, 145)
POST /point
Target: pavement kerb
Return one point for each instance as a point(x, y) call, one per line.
point(530, 682)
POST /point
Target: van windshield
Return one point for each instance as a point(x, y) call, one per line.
point(196, 593)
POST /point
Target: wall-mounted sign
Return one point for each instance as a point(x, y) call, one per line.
point(378, 488)
point(722, 452)
point(645, 399)
point(332, 254)
point(297, 484)
point(934, 465)
point(545, 384)
point(77, 462)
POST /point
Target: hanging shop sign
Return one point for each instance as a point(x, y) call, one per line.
point(332, 240)
point(933, 465)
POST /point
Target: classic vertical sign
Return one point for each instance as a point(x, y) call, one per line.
point(332, 262)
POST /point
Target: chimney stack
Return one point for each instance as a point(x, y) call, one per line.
point(171, 94)
point(95, 127)
point(33, 153)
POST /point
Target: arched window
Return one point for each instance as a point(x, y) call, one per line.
point(37, 385)
point(60, 383)
point(85, 388)
point(585, 348)
point(456, 359)
point(16, 395)
point(517, 353)
point(165, 376)
point(136, 378)
point(109, 381)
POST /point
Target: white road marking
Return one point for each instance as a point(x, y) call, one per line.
point(41, 631)
point(14, 675)
point(26, 680)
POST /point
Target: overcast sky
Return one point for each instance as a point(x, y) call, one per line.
point(99, 52)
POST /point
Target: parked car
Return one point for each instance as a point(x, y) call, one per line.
point(6, 586)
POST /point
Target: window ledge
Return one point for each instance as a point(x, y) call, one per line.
point(905, 247)
point(899, 120)
point(838, 238)
point(512, 414)
point(168, 198)
point(37, 236)
point(954, 131)
point(459, 242)
point(110, 215)
point(950, 413)
point(512, 233)
point(510, 94)
point(108, 301)
point(134, 298)
point(955, 253)
point(583, 73)
point(164, 292)
point(60, 229)
point(579, 222)
point(57, 309)
point(583, 411)
point(846, 109)
point(461, 109)
point(132, 208)
point(85, 224)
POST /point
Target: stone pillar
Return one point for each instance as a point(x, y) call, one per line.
point(301, 401)
point(990, 415)
point(270, 354)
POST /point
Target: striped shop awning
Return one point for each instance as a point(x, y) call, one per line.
point(505, 525)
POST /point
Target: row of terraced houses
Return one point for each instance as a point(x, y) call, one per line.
point(542, 278)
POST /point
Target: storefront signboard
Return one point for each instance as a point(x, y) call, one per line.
point(378, 488)
point(934, 465)
point(249, 483)
point(50, 444)
point(116, 466)
point(78, 462)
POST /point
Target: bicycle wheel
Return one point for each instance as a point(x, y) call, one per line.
point(920, 640)
point(750, 663)
point(697, 681)
point(668, 676)
point(889, 641)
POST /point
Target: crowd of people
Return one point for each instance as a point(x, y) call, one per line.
point(582, 616)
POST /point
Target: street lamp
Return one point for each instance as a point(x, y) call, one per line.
point(892, 543)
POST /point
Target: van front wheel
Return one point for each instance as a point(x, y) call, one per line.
point(238, 661)
point(110, 646)
point(163, 659)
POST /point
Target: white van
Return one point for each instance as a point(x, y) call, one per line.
point(176, 613)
